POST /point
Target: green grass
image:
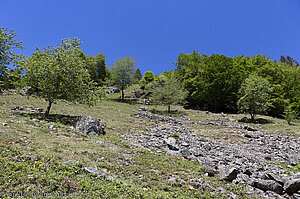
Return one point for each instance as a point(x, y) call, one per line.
point(29, 174)
point(32, 154)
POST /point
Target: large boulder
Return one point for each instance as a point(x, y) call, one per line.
point(228, 174)
point(112, 90)
point(268, 185)
point(171, 143)
point(89, 125)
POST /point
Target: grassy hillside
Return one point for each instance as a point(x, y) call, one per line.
point(33, 150)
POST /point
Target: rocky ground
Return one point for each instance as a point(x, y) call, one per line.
point(258, 163)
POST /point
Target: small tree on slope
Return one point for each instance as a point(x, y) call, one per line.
point(59, 73)
point(170, 93)
point(254, 95)
point(122, 72)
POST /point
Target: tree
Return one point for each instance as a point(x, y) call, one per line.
point(149, 77)
point(254, 95)
point(288, 60)
point(212, 82)
point(170, 93)
point(96, 67)
point(122, 73)
point(137, 75)
point(7, 55)
point(59, 73)
point(102, 71)
point(91, 66)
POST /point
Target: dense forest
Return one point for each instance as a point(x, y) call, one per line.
point(215, 83)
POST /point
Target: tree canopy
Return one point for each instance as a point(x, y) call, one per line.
point(171, 92)
point(213, 82)
point(8, 56)
point(254, 95)
point(59, 73)
point(122, 73)
point(137, 75)
point(96, 67)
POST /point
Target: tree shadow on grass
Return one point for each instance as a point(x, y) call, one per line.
point(127, 101)
point(172, 113)
point(257, 121)
point(57, 118)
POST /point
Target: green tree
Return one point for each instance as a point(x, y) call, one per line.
point(122, 72)
point(288, 60)
point(171, 92)
point(8, 45)
point(59, 73)
point(96, 67)
point(254, 95)
point(102, 71)
point(138, 74)
point(212, 82)
point(91, 66)
point(149, 77)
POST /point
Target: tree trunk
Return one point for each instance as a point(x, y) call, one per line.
point(252, 113)
point(252, 116)
point(169, 108)
point(122, 93)
point(48, 109)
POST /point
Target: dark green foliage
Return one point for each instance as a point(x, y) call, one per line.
point(91, 66)
point(8, 57)
point(102, 71)
point(137, 75)
point(288, 60)
point(213, 81)
point(96, 67)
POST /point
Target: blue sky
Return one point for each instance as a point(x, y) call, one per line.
point(154, 32)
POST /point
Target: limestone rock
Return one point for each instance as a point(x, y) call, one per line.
point(94, 170)
point(292, 186)
point(89, 125)
point(171, 143)
point(268, 185)
point(229, 174)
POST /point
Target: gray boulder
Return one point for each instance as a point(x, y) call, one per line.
point(89, 125)
point(95, 171)
point(292, 186)
point(171, 143)
point(268, 185)
point(229, 174)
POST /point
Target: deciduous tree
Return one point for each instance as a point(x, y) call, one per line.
point(8, 45)
point(122, 72)
point(254, 95)
point(59, 73)
point(170, 93)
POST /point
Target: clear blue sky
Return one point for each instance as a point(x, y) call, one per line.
point(154, 32)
